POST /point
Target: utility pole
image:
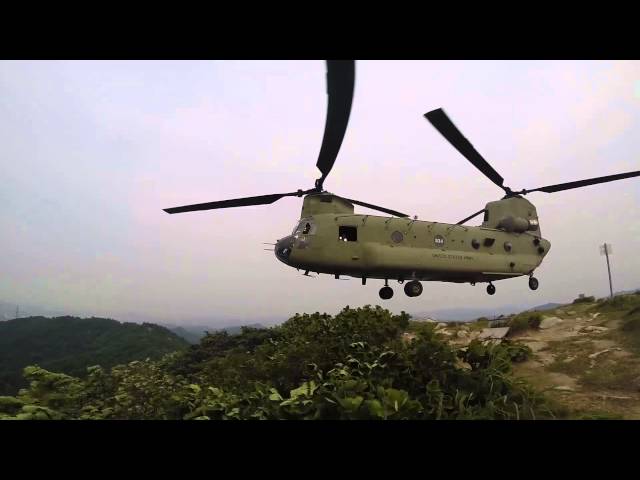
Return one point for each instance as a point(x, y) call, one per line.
point(606, 251)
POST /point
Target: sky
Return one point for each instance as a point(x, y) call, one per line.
point(92, 151)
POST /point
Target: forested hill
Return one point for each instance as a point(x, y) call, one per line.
point(71, 344)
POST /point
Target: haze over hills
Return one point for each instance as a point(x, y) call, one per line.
point(192, 328)
point(193, 333)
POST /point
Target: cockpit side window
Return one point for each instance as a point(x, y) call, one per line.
point(305, 227)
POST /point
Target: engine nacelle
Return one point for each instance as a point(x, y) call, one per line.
point(517, 224)
point(513, 214)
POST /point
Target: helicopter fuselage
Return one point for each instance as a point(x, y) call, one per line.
point(370, 246)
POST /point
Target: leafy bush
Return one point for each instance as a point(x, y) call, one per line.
point(351, 366)
point(525, 321)
point(518, 352)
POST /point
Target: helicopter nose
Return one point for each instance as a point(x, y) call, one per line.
point(283, 248)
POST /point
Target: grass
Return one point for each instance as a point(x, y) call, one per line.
point(618, 303)
point(612, 375)
point(630, 329)
point(600, 416)
point(606, 372)
point(564, 349)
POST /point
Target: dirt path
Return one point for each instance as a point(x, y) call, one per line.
point(578, 360)
point(580, 364)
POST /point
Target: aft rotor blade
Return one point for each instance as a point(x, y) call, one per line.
point(340, 82)
point(470, 217)
point(236, 202)
point(445, 126)
point(583, 183)
point(375, 207)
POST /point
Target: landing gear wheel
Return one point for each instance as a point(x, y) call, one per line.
point(386, 293)
point(533, 283)
point(491, 289)
point(413, 288)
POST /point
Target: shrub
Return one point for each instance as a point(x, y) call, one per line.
point(585, 300)
point(349, 366)
point(525, 321)
point(620, 302)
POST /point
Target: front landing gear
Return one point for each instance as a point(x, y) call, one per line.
point(491, 289)
point(386, 292)
point(533, 283)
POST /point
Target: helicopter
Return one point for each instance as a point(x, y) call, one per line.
point(329, 238)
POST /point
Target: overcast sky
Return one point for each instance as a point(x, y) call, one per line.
point(91, 151)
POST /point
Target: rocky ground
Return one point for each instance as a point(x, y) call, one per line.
point(582, 358)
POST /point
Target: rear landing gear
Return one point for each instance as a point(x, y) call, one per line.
point(413, 288)
point(491, 289)
point(533, 283)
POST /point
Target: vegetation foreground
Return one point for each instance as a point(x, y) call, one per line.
point(355, 365)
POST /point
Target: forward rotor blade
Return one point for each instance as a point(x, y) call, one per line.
point(236, 202)
point(583, 183)
point(470, 217)
point(340, 82)
point(441, 122)
point(375, 207)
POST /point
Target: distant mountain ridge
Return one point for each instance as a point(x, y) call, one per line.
point(546, 306)
point(71, 344)
point(193, 334)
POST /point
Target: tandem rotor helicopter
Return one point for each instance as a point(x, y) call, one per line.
point(330, 238)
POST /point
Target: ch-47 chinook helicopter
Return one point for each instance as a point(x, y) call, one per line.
point(330, 238)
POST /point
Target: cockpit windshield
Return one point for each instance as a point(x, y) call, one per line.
point(305, 227)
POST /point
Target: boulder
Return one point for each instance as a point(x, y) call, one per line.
point(592, 329)
point(564, 388)
point(548, 322)
point(493, 333)
point(597, 354)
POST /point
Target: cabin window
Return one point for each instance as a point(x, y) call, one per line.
point(348, 234)
point(489, 241)
point(475, 244)
point(397, 237)
point(508, 246)
point(486, 215)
